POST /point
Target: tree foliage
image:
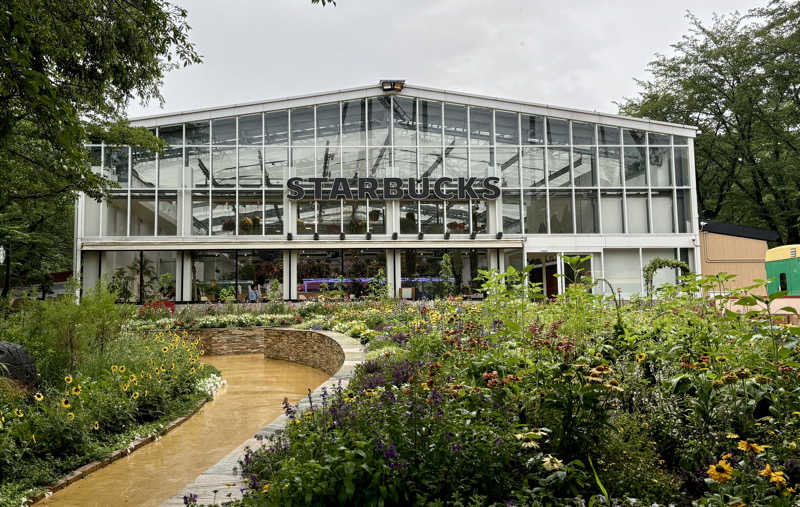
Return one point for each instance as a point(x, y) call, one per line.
point(67, 72)
point(738, 80)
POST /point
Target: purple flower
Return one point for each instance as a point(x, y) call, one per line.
point(456, 448)
point(390, 453)
point(189, 499)
point(498, 442)
point(288, 409)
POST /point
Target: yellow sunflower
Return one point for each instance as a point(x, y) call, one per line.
point(135, 395)
point(38, 396)
point(750, 446)
point(96, 425)
point(76, 390)
point(65, 403)
point(132, 378)
point(68, 379)
point(191, 371)
point(721, 471)
point(165, 349)
point(126, 387)
point(122, 368)
point(19, 413)
point(71, 416)
point(114, 368)
point(640, 357)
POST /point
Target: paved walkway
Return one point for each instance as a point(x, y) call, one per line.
point(220, 483)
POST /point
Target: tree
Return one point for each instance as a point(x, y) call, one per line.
point(67, 72)
point(738, 81)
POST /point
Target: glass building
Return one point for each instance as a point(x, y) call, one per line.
point(492, 182)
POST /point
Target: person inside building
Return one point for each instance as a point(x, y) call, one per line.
point(253, 293)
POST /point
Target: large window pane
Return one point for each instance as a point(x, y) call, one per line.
point(379, 164)
point(223, 131)
point(623, 271)
point(250, 170)
point(250, 130)
point(377, 217)
point(116, 164)
point(482, 162)
point(512, 212)
point(431, 164)
point(455, 125)
point(143, 213)
point(586, 217)
point(608, 135)
point(658, 139)
point(480, 125)
point(276, 166)
point(661, 276)
point(684, 211)
point(507, 127)
point(585, 166)
point(115, 216)
point(662, 210)
point(223, 166)
point(276, 128)
point(212, 271)
point(91, 217)
point(355, 217)
point(172, 134)
point(560, 212)
point(558, 167)
point(405, 162)
point(354, 162)
point(354, 120)
point(157, 265)
point(635, 174)
point(632, 137)
point(613, 221)
point(197, 133)
point(660, 167)
point(456, 163)
point(408, 217)
point(480, 216)
point(405, 121)
point(610, 174)
point(582, 133)
point(262, 268)
point(328, 161)
point(273, 212)
point(303, 162)
point(532, 129)
point(533, 167)
point(170, 164)
point(508, 166)
point(303, 126)
point(682, 167)
point(379, 119)
point(306, 217)
point(250, 212)
point(458, 217)
point(223, 213)
point(168, 213)
point(329, 217)
point(535, 212)
point(200, 213)
point(328, 125)
point(557, 131)
point(432, 217)
point(143, 170)
point(430, 123)
point(199, 164)
point(637, 212)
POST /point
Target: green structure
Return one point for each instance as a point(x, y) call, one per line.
point(783, 270)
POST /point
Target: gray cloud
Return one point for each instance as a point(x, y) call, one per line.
point(581, 54)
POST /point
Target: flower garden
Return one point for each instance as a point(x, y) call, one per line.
point(667, 399)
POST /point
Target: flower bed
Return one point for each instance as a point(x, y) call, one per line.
point(516, 401)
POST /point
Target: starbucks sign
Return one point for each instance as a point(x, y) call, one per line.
point(444, 189)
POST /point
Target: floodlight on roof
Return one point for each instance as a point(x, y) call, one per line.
point(392, 85)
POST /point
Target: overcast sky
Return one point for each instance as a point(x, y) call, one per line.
point(582, 54)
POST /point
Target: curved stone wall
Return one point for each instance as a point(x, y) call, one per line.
point(305, 347)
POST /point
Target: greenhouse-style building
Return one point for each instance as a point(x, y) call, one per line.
point(290, 197)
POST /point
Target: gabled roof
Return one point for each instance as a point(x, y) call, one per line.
point(420, 92)
point(741, 231)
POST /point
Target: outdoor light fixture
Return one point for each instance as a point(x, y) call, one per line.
point(447, 235)
point(394, 235)
point(288, 236)
point(472, 235)
point(500, 235)
point(369, 235)
point(316, 236)
point(392, 85)
point(420, 235)
point(341, 235)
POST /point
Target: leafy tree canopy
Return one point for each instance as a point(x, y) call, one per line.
point(67, 72)
point(738, 80)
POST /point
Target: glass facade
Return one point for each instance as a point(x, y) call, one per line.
point(562, 180)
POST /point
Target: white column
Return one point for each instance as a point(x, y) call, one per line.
point(390, 269)
point(186, 275)
point(287, 267)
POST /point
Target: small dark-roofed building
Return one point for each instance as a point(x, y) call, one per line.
point(736, 249)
